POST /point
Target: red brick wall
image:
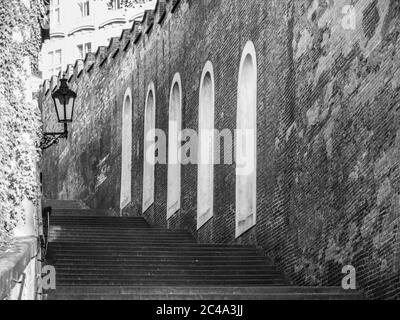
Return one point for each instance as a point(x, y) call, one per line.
point(328, 130)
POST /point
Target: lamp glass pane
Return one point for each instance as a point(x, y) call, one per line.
point(69, 108)
point(60, 108)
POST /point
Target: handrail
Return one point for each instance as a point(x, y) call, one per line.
point(44, 239)
point(22, 283)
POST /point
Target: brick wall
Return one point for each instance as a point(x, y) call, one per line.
point(328, 187)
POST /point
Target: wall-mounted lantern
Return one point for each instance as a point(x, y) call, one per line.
point(64, 103)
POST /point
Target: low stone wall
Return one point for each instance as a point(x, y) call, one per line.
point(19, 269)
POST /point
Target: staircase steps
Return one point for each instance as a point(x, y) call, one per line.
point(100, 257)
point(62, 213)
point(63, 204)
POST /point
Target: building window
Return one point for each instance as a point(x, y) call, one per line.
point(205, 168)
point(246, 142)
point(149, 150)
point(174, 147)
point(55, 17)
point(84, 8)
point(116, 4)
point(126, 166)
point(55, 58)
point(83, 49)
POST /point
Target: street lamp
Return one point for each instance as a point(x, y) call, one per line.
point(64, 103)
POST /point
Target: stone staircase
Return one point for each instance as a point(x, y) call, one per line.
point(99, 257)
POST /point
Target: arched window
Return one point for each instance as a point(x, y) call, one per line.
point(246, 142)
point(174, 166)
point(126, 166)
point(149, 152)
point(205, 180)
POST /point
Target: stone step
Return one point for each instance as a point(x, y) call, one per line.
point(115, 231)
point(176, 269)
point(212, 297)
point(79, 213)
point(210, 256)
point(170, 282)
point(93, 219)
point(168, 274)
point(155, 249)
point(133, 241)
point(199, 290)
point(167, 268)
point(166, 264)
point(90, 246)
point(75, 220)
point(70, 204)
point(131, 238)
point(109, 229)
point(158, 254)
point(105, 224)
point(150, 252)
point(60, 237)
point(165, 259)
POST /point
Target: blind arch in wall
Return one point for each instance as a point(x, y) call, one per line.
point(126, 165)
point(149, 152)
point(246, 142)
point(205, 177)
point(174, 129)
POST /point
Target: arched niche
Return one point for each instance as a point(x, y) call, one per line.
point(205, 177)
point(174, 129)
point(126, 165)
point(149, 152)
point(246, 142)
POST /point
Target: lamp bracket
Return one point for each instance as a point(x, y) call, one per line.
point(51, 138)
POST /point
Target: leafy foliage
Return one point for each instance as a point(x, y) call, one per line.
point(20, 40)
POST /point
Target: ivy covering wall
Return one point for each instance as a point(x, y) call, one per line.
point(20, 124)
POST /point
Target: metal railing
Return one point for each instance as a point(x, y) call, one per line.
point(44, 238)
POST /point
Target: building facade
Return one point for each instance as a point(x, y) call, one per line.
point(318, 84)
point(78, 27)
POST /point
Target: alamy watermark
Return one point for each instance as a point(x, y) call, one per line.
point(47, 281)
point(349, 281)
point(188, 147)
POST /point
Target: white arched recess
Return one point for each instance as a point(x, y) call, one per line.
point(126, 166)
point(205, 177)
point(149, 151)
point(246, 142)
point(174, 147)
